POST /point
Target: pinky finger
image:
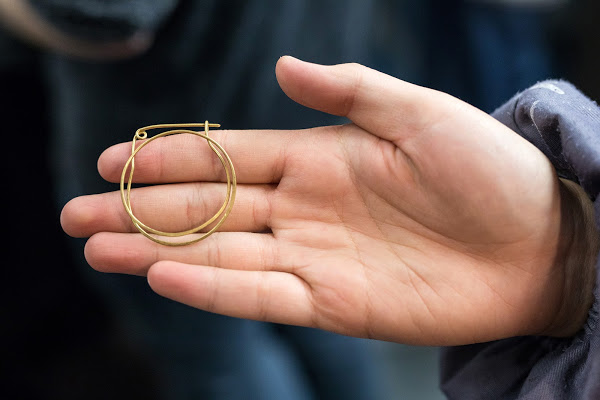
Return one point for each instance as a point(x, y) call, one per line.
point(270, 296)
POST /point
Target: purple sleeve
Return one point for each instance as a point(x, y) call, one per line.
point(565, 125)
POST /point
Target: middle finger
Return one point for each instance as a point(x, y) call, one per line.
point(170, 208)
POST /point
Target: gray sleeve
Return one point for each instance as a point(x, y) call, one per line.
point(104, 20)
point(565, 125)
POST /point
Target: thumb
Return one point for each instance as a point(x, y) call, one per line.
point(378, 103)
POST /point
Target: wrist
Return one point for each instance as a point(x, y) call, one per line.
point(577, 256)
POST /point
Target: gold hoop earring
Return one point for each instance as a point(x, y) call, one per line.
point(218, 218)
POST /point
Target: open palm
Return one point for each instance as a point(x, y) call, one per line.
point(424, 221)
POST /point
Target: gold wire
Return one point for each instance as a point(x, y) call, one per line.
point(220, 216)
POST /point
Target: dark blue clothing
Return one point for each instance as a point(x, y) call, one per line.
point(508, 50)
point(565, 125)
point(485, 51)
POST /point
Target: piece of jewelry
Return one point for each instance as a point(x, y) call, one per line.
point(218, 218)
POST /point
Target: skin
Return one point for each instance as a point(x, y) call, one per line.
point(424, 221)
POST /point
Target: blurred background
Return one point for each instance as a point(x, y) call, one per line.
point(69, 332)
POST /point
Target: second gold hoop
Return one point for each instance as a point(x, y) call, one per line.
point(218, 218)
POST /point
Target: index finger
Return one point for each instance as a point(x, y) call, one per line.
point(258, 157)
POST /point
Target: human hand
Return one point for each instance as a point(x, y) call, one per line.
point(425, 221)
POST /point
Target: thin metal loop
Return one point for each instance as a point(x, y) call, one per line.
point(220, 216)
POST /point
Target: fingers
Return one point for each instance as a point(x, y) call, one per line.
point(169, 208)
point(260, 295)
point(378, 103)
point(257, 156)
point(133, 254)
